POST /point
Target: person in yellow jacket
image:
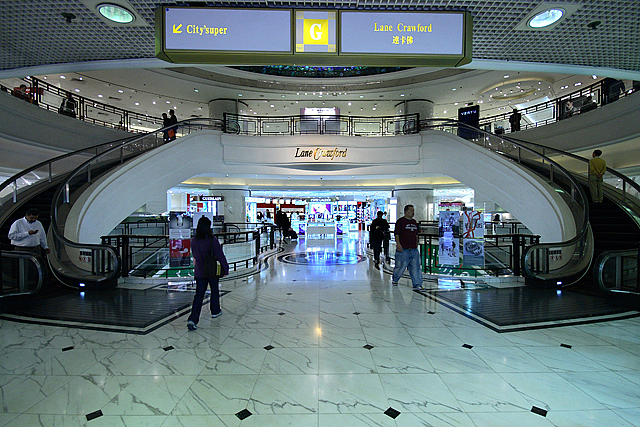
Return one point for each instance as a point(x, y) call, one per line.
point(597, 168)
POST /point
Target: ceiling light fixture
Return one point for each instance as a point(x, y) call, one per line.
point(116, 13)
point(546, 18)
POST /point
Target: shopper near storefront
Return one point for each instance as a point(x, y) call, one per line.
point(407, 253)
point(202, 246)
point(377, 230)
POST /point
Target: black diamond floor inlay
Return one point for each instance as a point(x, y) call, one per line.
point(368, 346)
point(392, 413)
point(565, 345)
point(269, 347)
point(67, 348)
point(539, 411)
point(94, 415)
point(245, 413)
point(467, 346)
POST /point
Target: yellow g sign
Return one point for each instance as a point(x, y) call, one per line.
point(316, 31)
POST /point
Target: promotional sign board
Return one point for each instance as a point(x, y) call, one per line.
point(180, 224)
point(473, 252)
point(472, 225)
point(449, 238)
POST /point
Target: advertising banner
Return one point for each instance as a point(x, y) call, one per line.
point(449, 232)
point(472, 225)
point(180, 224)
point(473, 253)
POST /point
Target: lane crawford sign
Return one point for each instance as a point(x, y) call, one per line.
point(320, 153)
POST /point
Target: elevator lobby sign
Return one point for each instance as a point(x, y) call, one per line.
point(209, 35)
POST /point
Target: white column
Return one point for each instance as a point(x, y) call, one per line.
point(234, 207)
point(420, 198)
point(217, 108)
point(423, 107)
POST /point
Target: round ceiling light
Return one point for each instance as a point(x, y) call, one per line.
point(546, 18)
point(116, 13)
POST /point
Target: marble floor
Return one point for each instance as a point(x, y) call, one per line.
point(321, 338)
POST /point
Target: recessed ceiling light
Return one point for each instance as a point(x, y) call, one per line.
point(116, 13)
point(77, 90)
point(546, 18)
point(239, 94)
point(196, 90)
point(62, 77)
point(168, 102)
point(120, 90)
point(100, 96)
point(402, 94)
point(137, 103)
point(506, 76)
point(578, 84)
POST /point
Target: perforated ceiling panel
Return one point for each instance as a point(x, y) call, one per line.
point(34, 32)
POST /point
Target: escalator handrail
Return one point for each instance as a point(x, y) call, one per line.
point(40, 165)
point(628, 181)
point(58, 235)
point(599, 265)
point(39, 268)
point(581, 234)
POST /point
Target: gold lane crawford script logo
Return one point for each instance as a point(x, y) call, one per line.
point(320, 153)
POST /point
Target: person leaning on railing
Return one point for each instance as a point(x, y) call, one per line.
point(68, 106)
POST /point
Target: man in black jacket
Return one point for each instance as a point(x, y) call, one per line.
point(377, 230)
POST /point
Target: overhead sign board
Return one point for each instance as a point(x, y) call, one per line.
point(238, 30)
point(312, 37)
point(316, 31)
point(402, 33)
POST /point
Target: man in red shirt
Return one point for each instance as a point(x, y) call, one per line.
point(407, 253)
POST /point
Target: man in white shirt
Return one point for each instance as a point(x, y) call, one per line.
point(27, 233)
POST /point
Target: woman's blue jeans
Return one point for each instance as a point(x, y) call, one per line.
point(202, 283)
point(408, 258)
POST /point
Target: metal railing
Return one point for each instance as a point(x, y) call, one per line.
point(503, 255)
point(21, 273)
point(578, 102)
point(78, 264)
point(148, 255)
point(50, 97)
point(619, 271)
point(540, 262)
point(321, 125)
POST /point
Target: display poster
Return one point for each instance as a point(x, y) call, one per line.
point(179, 252)
point(302, 228)
point(472, 225)
point(473, 252)
point(449, 238)
point(339, 229)
point(180, 224)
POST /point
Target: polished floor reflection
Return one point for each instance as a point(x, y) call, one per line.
point(322, 338)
